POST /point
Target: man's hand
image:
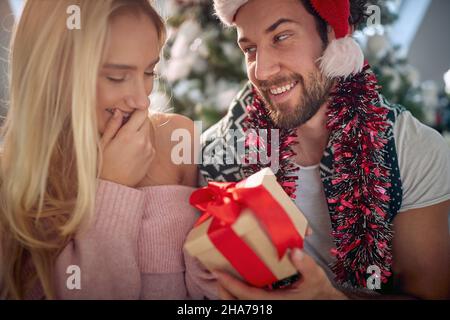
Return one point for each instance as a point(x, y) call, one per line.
point(313, 284)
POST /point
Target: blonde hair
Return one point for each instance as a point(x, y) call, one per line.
point(50, 160)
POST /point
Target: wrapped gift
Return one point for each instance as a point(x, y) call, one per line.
point(247, 229)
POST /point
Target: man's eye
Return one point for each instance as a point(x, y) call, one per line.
point(282, 37)
point(249, 50)
point(150, 74)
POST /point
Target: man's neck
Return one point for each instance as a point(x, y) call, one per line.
point(312, 139)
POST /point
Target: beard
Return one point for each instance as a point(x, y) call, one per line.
point(315, 93)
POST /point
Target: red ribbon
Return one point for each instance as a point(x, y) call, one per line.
point(225, 202)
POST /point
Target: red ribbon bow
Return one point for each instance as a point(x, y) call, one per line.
point(225, 202)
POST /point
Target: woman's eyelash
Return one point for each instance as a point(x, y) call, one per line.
point(118, 80)
point(115, 79)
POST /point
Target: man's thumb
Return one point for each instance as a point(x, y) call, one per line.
point(302, 262)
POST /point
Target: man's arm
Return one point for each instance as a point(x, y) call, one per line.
point(421, 248)
point(421, 252)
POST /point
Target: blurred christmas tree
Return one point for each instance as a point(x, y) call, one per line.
point(204, 67)
point(400, 81)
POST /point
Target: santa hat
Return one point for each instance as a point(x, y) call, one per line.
point(343, 56)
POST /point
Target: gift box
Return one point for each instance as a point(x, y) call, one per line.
point(247, 229)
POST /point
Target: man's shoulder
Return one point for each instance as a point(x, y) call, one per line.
point(218, 163)
point(233, 119)
point(424, 161)
point(411, 133)
point(395, 110)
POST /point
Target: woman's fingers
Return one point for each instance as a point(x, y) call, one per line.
point(137, 119)
point(112, 127)
point(128, 149)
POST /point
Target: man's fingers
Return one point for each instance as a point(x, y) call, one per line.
point(112, 127)
point(224, 294)
point(239, 289)
point(303, 263)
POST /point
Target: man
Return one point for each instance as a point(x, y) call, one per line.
point(373, 182)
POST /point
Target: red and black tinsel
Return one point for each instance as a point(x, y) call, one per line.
point(259, 128)
point(359, 194)
point(360, 180)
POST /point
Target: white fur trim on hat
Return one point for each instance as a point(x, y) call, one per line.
point(342, 58)
point(226, 9)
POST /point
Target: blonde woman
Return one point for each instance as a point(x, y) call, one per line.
point(91, 205)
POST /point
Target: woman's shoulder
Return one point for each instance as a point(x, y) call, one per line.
point(171, 130)
point(167, 122)
point(174, 139)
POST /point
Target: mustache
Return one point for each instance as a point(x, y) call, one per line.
point(265, 85)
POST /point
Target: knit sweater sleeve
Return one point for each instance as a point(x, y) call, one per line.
point(168, 273)
point(201, 284)
point(101, 262)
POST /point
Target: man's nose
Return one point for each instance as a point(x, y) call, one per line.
point(267, 65)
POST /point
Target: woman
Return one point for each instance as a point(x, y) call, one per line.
point(91, 204)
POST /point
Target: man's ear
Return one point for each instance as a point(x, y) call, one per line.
point(331, 34)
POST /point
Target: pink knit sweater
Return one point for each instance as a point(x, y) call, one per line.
point(133, 249)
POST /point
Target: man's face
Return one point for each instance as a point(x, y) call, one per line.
point(281, 46)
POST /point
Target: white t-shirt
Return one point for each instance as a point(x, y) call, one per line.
point(424, 161)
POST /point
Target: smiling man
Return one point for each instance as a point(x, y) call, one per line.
point(373, 182)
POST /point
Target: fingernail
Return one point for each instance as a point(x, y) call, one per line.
point(298, 254)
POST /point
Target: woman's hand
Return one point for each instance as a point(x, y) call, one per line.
point(127, 151)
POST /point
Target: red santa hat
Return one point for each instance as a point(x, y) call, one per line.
point(343, 56)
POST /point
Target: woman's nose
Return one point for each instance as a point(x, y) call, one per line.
point(141, 96)
point(143, 102)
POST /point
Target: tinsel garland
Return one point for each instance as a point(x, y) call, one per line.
point(359, 203)
point(258, 120)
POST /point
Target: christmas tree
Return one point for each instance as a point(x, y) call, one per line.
point(203, 67)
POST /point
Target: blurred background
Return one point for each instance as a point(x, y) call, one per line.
point(203, 68)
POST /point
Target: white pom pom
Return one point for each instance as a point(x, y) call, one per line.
point(342, 58)
point(226, 9)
